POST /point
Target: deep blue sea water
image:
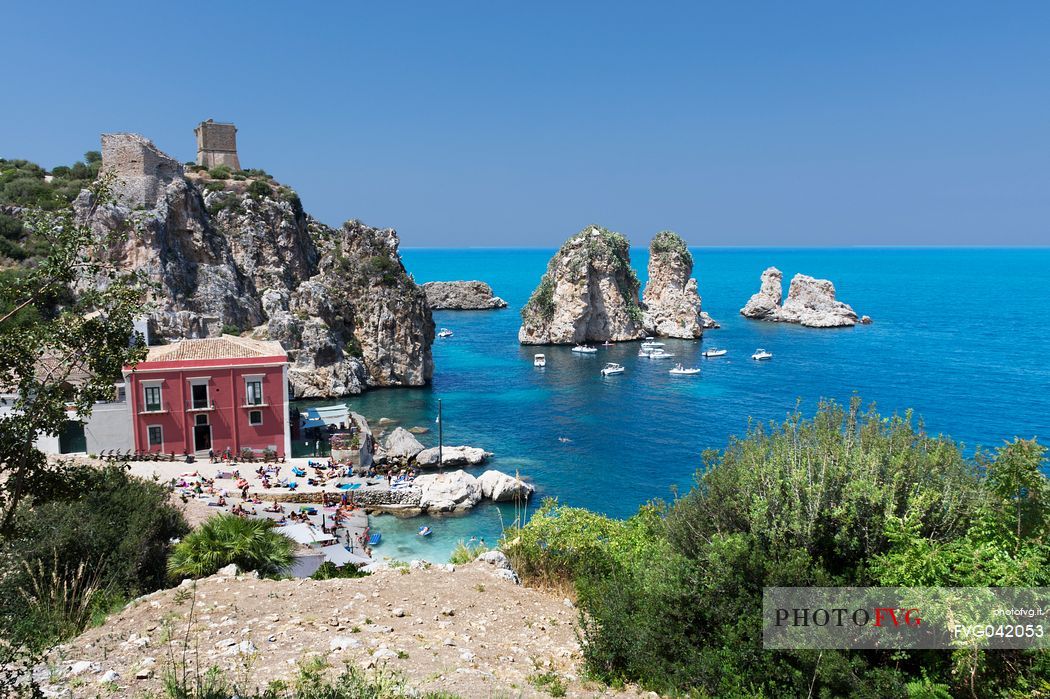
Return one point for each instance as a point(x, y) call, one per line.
point(958, 336)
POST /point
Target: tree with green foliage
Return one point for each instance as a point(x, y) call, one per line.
point(74, 350)
point(99, 537)
point(252, 544)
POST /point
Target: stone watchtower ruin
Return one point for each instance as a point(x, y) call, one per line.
point(217, 145)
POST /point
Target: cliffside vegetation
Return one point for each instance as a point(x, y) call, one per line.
point(669, 242)
point(25, 184)
point(672, 597)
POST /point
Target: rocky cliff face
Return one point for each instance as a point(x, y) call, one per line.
point(461, 296)
point(671, 299)
point(588, 294)
point(242, 255)
point(810, 302)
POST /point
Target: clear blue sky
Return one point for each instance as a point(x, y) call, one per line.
point(482, 123)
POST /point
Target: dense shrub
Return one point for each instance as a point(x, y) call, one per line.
point(220, 172)
point(252, 544)
point(97, 536)
point(259, 188)
point(383, 268)
point(672, 597)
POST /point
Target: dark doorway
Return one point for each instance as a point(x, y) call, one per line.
point(201, 437)
point(71, 438)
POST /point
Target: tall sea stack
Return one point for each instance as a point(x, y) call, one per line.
point(588, 294)
point(671, 298)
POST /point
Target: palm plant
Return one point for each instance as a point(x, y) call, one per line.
point(253, 544)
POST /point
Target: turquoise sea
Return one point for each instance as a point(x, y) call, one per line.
point(959, 335)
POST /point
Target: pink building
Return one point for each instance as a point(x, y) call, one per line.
point(193, 396)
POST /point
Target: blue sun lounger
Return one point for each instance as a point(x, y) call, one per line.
point(349, 486)
point(375, 539)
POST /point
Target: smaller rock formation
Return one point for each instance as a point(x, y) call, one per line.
point(500, 487)
point(810, 302)
point(452, 456)
point(401, 446)
point(448, 492)
point(671, 299)
point(461, 296)
point(766, 303)
point(588, 294)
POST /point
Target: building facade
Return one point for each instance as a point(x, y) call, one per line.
point(211, 394)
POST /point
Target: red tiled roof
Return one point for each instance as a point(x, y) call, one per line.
point(225, 347)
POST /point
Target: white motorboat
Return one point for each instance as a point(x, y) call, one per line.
point(445, 332)
point(607, 344)
point(660, 354)
point(651, 345)
point(539, 360)
point(762, 354)
point(680, 370)
point(584, 349)
point(714, 352)
point(612, 369)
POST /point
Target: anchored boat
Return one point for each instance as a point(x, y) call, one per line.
point(584, 349)
point(680, 370)
point(761, 354)
point(714, 352)
point(445, 332)
point(539, 360)
point(611, 369)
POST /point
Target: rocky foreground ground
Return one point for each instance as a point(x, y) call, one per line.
point(470, 631)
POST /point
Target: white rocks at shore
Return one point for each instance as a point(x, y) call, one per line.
point(448, 492)
point(810, 302)
point(401, 446)
point(461, 296)
point(452, 456)
point(500, 487)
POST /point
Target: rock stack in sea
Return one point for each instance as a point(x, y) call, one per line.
point(588, 294)
point(671, 299)
point(461, 296)
point(241, 255)
point(810, 302)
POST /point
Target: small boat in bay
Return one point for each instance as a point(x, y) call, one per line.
point(539, 360)
point(660, 354)
point(611, 369)
point(445, 332)
point(714, 352)
point(584, 349)
point(680, 370)
point(761, 354)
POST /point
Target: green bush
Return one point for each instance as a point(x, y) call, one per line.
point(383, 268)
point(99, 535)
point(220, 172)
point(214, 186)
point(328, 571)
point(463, 553)
point(253, 544)
point(672, 597)
point(259, 188)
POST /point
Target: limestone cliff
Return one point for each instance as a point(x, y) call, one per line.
point(241, 255)
point(588, 294)
point(810, 302)
point(671, 299)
